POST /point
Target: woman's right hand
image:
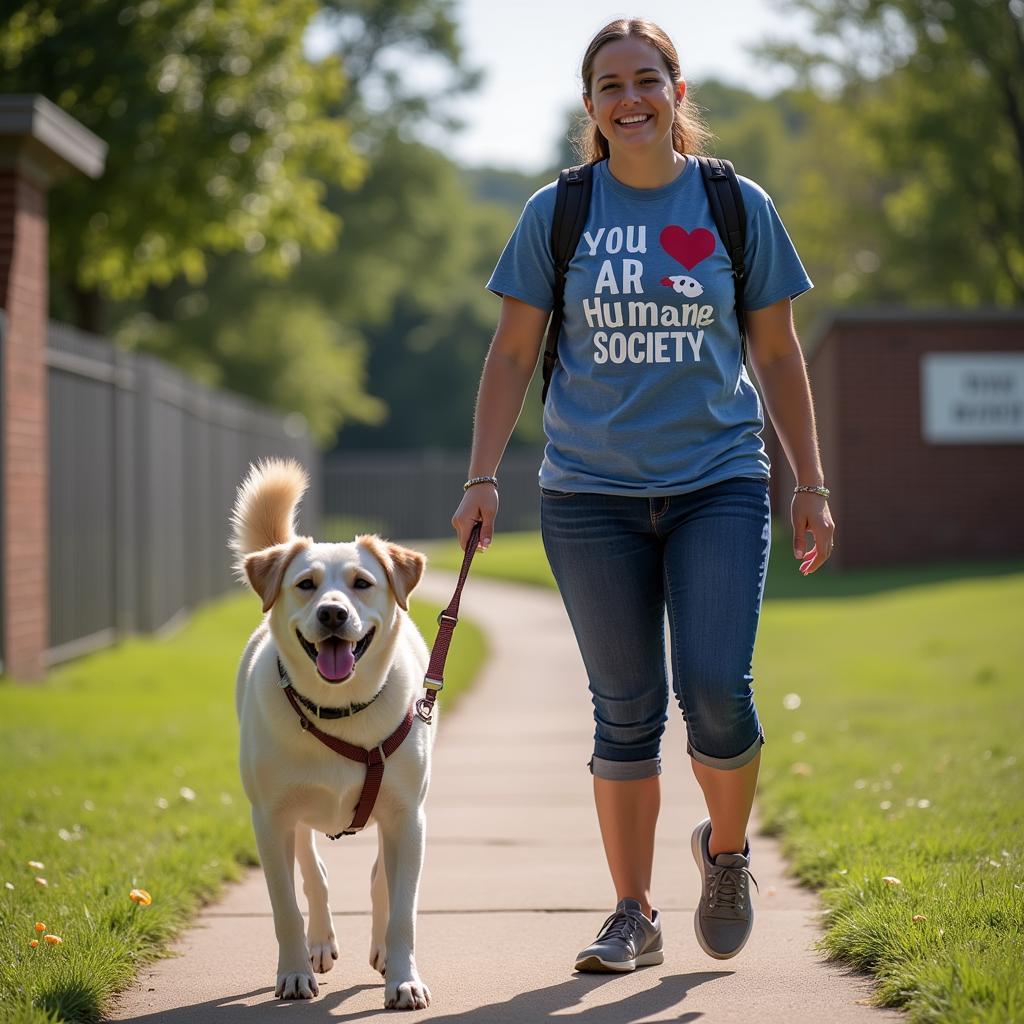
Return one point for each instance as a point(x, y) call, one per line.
point(479, 505)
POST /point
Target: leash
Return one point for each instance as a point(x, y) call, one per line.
point(446, 623)
point(375, 758)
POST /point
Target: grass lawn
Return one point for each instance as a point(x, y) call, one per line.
point(893, 707)
point(121, 772)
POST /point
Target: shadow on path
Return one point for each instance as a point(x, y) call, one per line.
point(552, 1004)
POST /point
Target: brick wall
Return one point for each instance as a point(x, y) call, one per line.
point(896, 498)
point(23, 296)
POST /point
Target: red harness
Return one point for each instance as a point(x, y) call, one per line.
point(374, 759)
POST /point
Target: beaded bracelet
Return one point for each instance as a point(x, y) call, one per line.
point(480, 480)
point(822, 492)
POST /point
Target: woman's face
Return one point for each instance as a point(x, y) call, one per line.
point(632, 96)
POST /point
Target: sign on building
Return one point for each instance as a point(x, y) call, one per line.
point(972, 398)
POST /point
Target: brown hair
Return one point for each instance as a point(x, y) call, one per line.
point(689, 132)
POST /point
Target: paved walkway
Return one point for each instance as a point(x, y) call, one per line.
point(515, 883)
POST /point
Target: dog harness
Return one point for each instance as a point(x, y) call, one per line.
point(374, 759)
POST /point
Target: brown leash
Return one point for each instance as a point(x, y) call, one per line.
point(374, 759)
point(446, 623)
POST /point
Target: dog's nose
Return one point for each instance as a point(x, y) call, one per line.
point(332, 615)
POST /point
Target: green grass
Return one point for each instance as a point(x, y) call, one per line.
point(121, 772)
point(904, 758)
point(342, 529)
point(512, 556)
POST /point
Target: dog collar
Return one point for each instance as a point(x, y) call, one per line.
point(318, 710)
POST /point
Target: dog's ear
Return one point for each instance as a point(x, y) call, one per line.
point(407, 572)
point(265, 569)
point(404, 567)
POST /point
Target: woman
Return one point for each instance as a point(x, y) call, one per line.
point(654, 485)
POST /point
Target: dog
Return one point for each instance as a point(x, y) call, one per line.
point(336, 628)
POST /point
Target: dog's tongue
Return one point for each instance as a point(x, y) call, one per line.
point(334, 659)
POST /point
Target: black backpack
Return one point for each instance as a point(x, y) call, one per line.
point(572, 203)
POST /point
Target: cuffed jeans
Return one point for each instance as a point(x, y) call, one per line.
point(621, 562)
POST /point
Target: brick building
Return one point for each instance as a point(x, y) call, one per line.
point(921, 423)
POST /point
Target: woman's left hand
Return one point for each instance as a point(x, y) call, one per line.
point(811, 515)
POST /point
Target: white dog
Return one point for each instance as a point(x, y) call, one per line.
point(337, 631)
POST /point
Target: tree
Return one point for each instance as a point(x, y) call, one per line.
point(376, 41)
point(927, 98)
point(217, 134)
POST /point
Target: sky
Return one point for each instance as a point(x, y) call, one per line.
point(530, 51)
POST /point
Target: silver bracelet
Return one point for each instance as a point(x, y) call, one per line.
point(822, 492)
point(480, 480)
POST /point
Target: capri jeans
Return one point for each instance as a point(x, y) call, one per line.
point(621, 562)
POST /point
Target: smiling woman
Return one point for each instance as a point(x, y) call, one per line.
point(635, 100)
point(654, 479)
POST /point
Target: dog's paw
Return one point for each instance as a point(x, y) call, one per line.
point(296, 985)
point(378, 957)
point(323, 954)
point(407, 995)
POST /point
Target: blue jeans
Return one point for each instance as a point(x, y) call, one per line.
point(621, 562)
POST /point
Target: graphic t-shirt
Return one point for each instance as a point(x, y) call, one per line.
point(650, 395)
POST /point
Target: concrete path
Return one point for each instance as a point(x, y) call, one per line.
point(515, 882)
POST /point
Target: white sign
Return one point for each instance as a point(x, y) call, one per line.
point(972, 398)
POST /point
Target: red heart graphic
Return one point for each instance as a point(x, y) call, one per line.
point(686, 247)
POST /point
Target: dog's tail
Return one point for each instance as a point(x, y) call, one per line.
point(265, 507)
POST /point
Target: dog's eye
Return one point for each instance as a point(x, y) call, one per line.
point(306, 585)
point(361, 584)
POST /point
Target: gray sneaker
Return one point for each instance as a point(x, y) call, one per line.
point(627, 940)
point(724, 916)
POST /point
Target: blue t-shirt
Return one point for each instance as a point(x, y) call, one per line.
point(650, 395)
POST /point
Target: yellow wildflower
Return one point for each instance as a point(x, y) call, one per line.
point(141, 897)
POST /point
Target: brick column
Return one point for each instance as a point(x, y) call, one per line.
point(38, 145)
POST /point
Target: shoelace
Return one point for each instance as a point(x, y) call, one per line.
point(620, 925)
point(726, 887)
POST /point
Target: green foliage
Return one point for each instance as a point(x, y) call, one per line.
point(376, 41)
point(216, 132)
point(283, 350)
point(405, 285)
point(234, 161)
point(121, 772)
point(914, 163)
point(426, 247)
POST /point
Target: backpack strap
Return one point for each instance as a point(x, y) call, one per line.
point(726, 202)
point(572, 203)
